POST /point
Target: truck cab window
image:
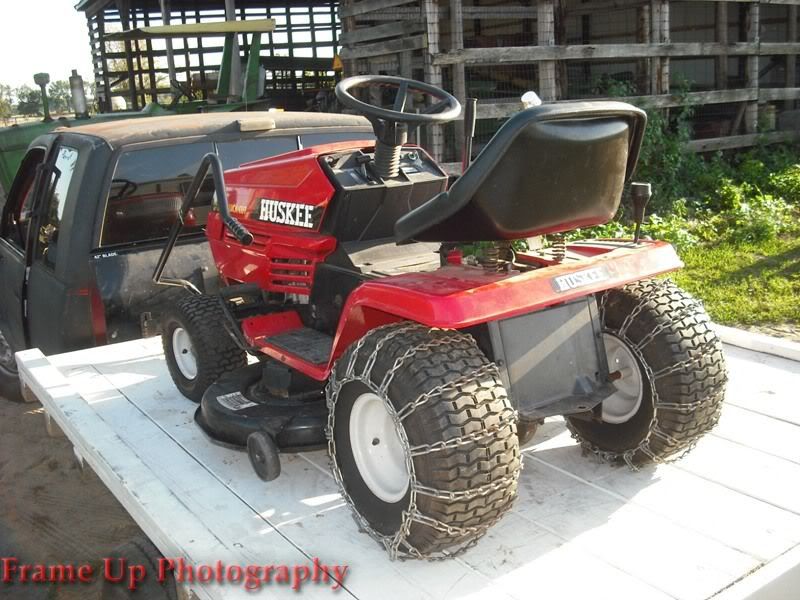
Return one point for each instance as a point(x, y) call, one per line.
point(50, 226)
point(19, 205)
point(147, 190)
point(235, 154)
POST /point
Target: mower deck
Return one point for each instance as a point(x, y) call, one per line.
point(580, 529)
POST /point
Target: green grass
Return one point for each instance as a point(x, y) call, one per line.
point(745, 284)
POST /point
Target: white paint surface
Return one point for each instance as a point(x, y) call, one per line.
point(579, 529)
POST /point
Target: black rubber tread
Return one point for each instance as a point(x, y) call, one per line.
point(10, 387)
point(473, 406)
point(686, 337)
point(217, 353)
point(140, 551)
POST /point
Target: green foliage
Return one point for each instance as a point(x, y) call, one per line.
point(29, 100)
point(6, 107)
point(745, 283)
point(752, 196)
point(60, 96)
point(786, 183)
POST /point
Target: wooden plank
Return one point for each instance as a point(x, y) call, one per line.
point(767, 533)
point(643, 36)
point(433, 72)
point(402, 28)
point(382, 48)
point(348, 24)
point(178, 524)
point(661, 24)
point(571, 511)
point(767, 475)
point(742, 141)
point(303, 504)
point(746, 428)
point(761, 382)
point(368, 6)
point(751, 69)
point(748, 1)
point(791, 59)
point(546, 36)
point(526, 54)
point(499, 12)
point(721, 36)
point(502, 110)
point(771, 94)
point(544, 557)
point(398, 13)
point(554, 498)
point(458, 70)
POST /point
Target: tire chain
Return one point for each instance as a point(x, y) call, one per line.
point(682, 447)
point(397, 545)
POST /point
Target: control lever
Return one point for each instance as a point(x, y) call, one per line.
point(640, 194)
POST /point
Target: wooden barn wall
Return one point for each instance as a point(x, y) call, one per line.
point(296, 59)
point(735, 62)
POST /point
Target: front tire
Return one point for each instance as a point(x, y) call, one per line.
point(430, 409)
point(196, 345)
point(664, 334)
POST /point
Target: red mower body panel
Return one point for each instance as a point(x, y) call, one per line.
point(284, 200)
point(294, 189)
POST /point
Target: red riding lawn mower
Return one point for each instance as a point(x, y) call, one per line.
point(399, 324)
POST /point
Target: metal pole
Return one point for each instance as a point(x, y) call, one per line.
point(165, 18)
point(235, 89)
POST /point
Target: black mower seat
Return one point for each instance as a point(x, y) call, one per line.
point(551, 168)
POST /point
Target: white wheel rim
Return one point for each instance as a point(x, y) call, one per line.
point(377, 448)
point(184, 354)
point(626, 400)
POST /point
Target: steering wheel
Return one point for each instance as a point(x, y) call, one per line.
point(445, 109)
point(391, 125)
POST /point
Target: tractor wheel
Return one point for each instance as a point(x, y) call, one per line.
point(422, 439)
point(9, 377)
point(197, 347)
point(670, 375)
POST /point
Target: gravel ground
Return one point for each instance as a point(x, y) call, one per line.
point(50, 510)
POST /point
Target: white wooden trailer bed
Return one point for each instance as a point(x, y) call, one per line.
point(724, 520)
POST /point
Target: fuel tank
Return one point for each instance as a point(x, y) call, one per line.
point(301, 205)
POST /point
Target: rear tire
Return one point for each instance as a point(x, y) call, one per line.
point(474, 481)
point(197, 347)
point(682, 373)
point(10, 387)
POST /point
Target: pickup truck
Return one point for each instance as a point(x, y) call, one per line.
point(85, 219)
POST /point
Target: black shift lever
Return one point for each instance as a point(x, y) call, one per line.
point(640, 194)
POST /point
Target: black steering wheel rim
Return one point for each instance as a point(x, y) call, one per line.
point(447, 109)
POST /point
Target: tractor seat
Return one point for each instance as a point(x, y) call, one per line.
point(551, 168)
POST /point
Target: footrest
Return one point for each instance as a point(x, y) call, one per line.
point(309, 344)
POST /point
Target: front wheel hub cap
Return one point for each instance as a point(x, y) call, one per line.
point(184, 353)
point(628, 385)
point(377, 449)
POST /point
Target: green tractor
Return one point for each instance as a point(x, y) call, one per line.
point(14, 140)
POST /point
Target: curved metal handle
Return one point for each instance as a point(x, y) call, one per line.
point(239, 231)
point(213, 162)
